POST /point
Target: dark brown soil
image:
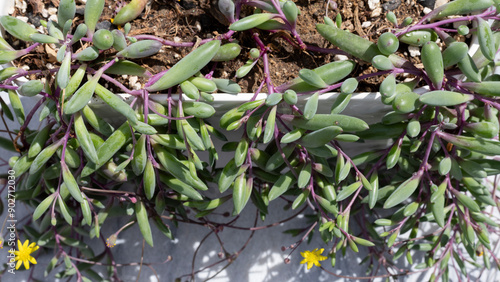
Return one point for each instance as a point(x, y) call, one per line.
point(188, 20)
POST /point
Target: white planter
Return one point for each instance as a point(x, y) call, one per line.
point(262, 260)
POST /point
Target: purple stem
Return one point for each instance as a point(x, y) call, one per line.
point(226, 36)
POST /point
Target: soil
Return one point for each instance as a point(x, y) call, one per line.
point(187, 20)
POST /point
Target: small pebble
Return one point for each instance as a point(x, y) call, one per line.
point(11, 10)
point(340, 58)
point(52, 11)
point(177, 39)
point(104, 25)
point(21, 5)
point(133, 80)
point(366, 24)
point(25, 67)
point(137, 86)
point(377, 12)
point(414, 51)
point(49, 66)
point(373, 4)
point(124, 76)
point(53, 18)
point(45, 13)
point(197, 25)
point(427, 10)
point(24, 19)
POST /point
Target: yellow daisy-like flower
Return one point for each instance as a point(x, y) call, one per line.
point(313, 257)
point(23, 255)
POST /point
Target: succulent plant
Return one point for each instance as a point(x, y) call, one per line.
point(443, 129)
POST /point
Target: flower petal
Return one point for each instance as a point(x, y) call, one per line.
point(26, 264)
point(19, 262)
point(32, 259)
point(309, 265)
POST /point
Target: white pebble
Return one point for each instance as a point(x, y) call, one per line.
point(24, 19)
point(137, 86)
point(124, 76)
point(11, 10)
point(177, 39)
point(133, 79)
point(40, 29)
point(414, 51)
point(340, 58)
point(43, 80)
point(45, 13)
point(53, 18)
point(198, 26)
point(427, 10)
point(49, 66)
point(21, 5)
point(52, 11)
point(373, 4)
point(366, 24)
point(25, 67)
point(377, 12)
point(177, 56)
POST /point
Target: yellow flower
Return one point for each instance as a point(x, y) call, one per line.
point(24, 254)
point(313, 257)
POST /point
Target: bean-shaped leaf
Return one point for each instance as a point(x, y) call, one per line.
point(129, 12)
point(393, 156)
point(445, 98)
point(241, 193)
point(467, 201)
point(403, 192)
point(292, 136)
point(92, 13)
point(180, 187)
point(353, 44)
point(175, 167)
point(312, 78)
point(187, 66)
point(329, 73)
point(96, 122)
point(43, 206)
point(140, 156)
point(149, 180)
point(454, 53)
point(304, 176)
point(319, 121)
point(476, 144)
point(17, 106)
point(270, 125)
point(86, 212)
point(17, 28)
point(283, 183)
point(198, 109)
point(109, 148)
point(70, 182)
point(43, 157)
point(63, 208)
point(227, 52)
point(84, 139)
point(227, 86)
point(22, 165)
point(140, 49)
point(63, 75)
point(461, 7)
point(66, 11)
point(82, 96)
point(115, 102)
point(39, 142)
point(127, 67)
point(437, 208)
point(311, 106)
point(348, 191)
point(433, 63)
point(444, 166)
point(486, 40)
point(251, 21)
point(141, 215)
point(320, 137)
